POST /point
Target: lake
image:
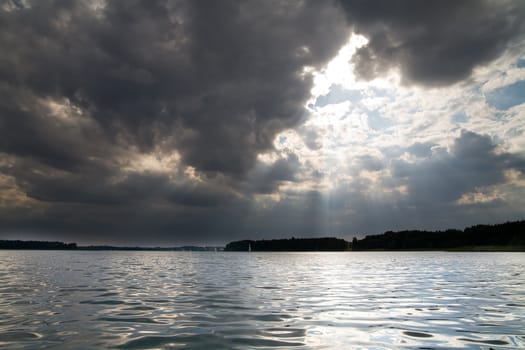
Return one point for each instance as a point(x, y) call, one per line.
point(208, 300)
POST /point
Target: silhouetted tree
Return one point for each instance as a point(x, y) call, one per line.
point(507, 234)
point(293, 244)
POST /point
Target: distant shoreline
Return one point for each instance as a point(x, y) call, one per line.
point(46, 245)
point(506, 237)
point(476, 249)
point(509, 236)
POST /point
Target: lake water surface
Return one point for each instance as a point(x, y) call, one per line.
point(171, 300)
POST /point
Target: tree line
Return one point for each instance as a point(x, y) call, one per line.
point(479, 237)
point(292, 244)
point(506, 236)
point(510, 234)
point(44, 245)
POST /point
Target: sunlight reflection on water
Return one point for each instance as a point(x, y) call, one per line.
point(380, 300)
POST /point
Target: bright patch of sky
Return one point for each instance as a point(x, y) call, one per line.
point(359, 130)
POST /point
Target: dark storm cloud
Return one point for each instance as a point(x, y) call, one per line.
point(435, 42)
point(89, 87)
point(137, 207)
point(29, 130)
point(213, 81)
point(473, 162)
point(433, 186)
point(266, 178)
point(217, 79)
point(133, 223)
point(201, 195)
point(78, 189)
point(131, 188)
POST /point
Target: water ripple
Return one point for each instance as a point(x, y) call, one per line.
point(143, 300)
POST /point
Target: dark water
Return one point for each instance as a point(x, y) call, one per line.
point(172, 300)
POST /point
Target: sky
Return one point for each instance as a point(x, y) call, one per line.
point(202, 122)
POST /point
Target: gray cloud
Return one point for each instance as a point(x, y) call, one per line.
point(419, 149)
point(311, 138)
point(266, 178)
point(215, 81)
point(474, 161)
point(85, 89)
point(369, 163)
point(433, 42)
point(209, 213)
point(432, 187)
point(201, 195)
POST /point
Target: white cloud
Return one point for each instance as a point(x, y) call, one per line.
point(361, 130)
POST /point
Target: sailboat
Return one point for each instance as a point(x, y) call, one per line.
point(249, 247)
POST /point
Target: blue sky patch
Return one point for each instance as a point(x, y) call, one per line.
point(507, 96)
point(459, 117)
point(377, 122)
